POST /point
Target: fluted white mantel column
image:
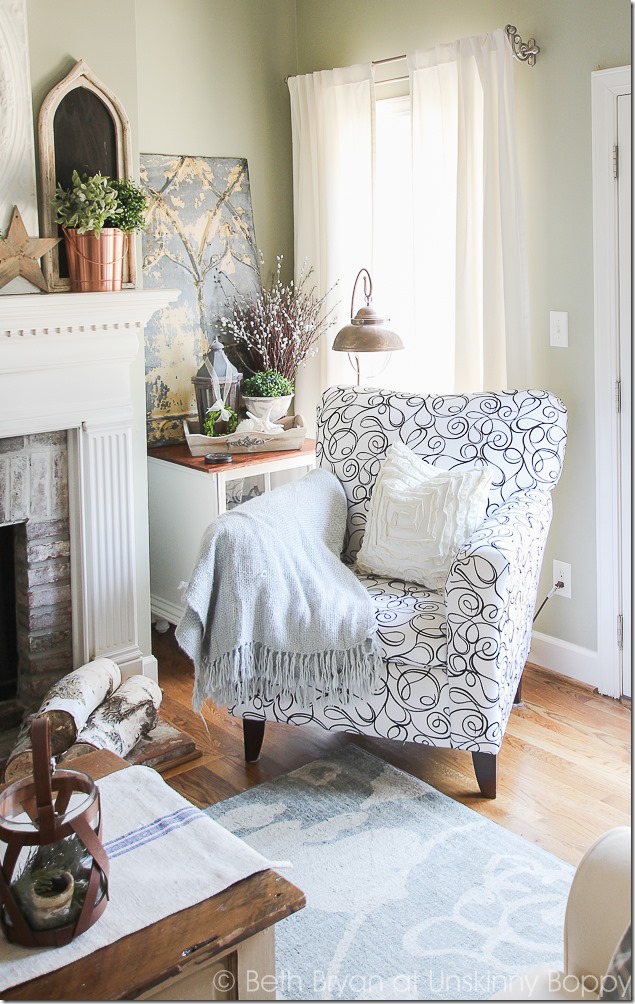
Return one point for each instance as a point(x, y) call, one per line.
point(66, 362)
point(109, 532)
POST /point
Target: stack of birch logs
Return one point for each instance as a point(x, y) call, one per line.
point(87, 710)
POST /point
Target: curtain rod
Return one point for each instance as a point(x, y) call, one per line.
point(525, 52)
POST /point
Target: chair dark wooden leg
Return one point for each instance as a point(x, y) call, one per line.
point(518, 700)
point(253, 735)
point(485, 770)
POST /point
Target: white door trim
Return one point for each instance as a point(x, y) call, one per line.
point(606, 85)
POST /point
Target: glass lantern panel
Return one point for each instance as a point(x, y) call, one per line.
point(19, 806)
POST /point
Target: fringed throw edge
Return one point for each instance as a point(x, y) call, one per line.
point(255, 670)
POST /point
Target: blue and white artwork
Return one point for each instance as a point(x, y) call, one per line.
point(199, 238)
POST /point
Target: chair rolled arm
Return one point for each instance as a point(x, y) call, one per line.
point(490, 596)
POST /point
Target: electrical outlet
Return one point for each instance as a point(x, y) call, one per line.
point(562, 573)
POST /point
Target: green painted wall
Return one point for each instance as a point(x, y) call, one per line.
point(211, 83)
point(554, 134)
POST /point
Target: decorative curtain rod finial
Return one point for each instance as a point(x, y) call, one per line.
point(525, 51)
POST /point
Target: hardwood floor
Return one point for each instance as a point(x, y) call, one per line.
point(564, 772)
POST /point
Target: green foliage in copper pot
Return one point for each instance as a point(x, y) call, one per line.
point(87, 204)
point(131, 207)
point(97, 201)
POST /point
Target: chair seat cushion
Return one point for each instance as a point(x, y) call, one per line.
point(410, 621)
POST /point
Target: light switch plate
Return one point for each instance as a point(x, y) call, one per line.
point(559, 329)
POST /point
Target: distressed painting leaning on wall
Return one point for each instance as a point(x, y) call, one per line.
point(199, 238)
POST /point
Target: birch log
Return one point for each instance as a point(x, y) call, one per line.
point(67, 705)
point(118, 723)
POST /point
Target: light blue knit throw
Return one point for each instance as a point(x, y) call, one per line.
point(271, 609)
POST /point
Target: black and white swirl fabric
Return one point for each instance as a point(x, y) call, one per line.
point(520, 435)
point(453, 659)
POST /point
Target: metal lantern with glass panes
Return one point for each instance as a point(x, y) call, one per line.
point(217, 387)
point(53, 866)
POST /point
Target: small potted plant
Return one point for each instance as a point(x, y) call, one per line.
point(267, 392)
point(95, 214)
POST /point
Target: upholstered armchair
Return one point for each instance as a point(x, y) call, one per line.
point(453, 657)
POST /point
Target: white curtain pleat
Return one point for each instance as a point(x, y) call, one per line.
point(331, 124)
point(470, 266)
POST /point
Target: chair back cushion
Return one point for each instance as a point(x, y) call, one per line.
point(521, 435)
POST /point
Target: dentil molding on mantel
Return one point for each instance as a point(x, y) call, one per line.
point(48, 313)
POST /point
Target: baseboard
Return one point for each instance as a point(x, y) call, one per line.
point(565, 658)
point(164, 610)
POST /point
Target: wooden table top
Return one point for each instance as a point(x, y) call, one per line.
point(179, 453)
point(125, 968)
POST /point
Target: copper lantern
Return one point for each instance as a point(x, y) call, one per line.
point(54, 869)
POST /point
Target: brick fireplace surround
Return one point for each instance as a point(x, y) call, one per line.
point(69, 423)
point(34, 502)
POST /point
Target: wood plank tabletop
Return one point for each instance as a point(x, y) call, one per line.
point(133, 964)
point(179, 453)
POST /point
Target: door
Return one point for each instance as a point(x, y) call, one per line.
point(611, 157)
point(624, 378)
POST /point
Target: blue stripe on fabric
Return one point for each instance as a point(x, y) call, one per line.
point(151, 831)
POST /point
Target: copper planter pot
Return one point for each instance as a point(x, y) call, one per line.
point(95, 264)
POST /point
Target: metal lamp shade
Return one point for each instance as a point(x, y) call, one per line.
point(54, 869)
point(215, 360)
point(367, 330)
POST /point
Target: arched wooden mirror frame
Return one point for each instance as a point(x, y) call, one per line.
point(80, 76)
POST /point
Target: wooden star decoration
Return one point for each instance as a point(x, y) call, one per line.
point(19, 253)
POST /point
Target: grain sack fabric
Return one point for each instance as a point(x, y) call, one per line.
point(270, 607)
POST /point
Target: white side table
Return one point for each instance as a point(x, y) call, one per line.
point(185, 495)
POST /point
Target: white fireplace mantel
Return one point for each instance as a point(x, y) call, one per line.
point(42, 312)
point(66, 362)
point(65, 357)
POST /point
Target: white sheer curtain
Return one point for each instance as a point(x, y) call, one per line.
point(434, 211)
point(331, 124)
point(471, 290)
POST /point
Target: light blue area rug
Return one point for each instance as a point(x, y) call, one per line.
point(410, 895)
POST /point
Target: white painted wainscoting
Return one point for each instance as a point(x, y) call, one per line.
point(66, 363)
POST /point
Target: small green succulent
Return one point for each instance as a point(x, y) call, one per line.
point(268, 383)
point(87, 204)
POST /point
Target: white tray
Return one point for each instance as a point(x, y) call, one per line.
point(249, 442)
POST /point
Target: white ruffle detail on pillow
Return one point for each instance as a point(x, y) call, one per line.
point(419, 516)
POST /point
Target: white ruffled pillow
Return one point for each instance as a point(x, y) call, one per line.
point(419, 516)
